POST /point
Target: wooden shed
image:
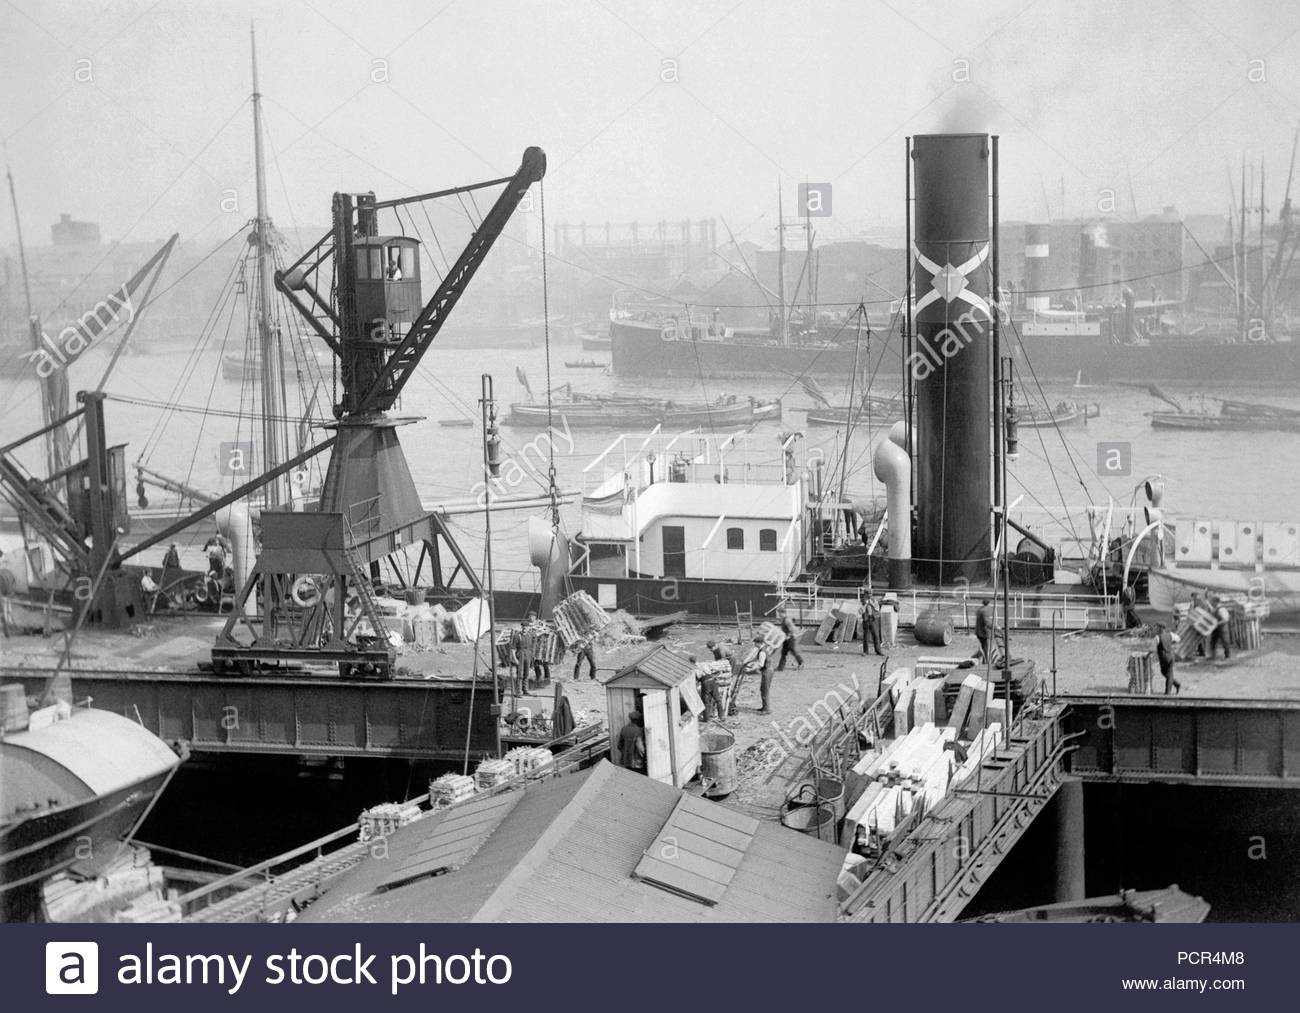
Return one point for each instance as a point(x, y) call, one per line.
point(661, 685)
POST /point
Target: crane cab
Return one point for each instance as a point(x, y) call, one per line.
point(387, 286)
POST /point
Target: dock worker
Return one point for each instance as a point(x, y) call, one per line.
point(1128, 601)
point(172, 561)
point(754, 662)
point(584, 649)
point(513, 660)
point(984, 629)
point(1200, 601)
point(790, 645)
point(215, 549)
point(710, 694)
point(757, 662)
point(631, 743)
point(870, 622)
point(527, 651)
point(1219, 635)
point(721, 652)
point(1165, 656)
point(541, 666)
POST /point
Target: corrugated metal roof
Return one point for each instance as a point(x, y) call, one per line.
point(567, 851)
point(659, 665)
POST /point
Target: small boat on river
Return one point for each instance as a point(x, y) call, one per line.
point(623, 412)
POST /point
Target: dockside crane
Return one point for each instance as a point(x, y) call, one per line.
point(309, 597)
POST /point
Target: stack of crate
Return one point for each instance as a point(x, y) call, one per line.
point(1195, 624)
point(492, 772)
point(550, 648)
point(579, 617)
point(503, 647)
point(450, 788)
point(528, 760)
point(1139, 671)
point(381, 820)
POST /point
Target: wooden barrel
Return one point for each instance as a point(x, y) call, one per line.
point(13, 707)
point(718, 762)
point(933, 629)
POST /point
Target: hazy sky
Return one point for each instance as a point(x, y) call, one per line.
point(1150, 99)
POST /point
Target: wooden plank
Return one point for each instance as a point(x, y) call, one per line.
point(726, 836)
point(679, 851)
point(674, 877)
point(658, 624)
point(976, 721)
point(903, 712)
point(961, 709)
point(657, 751)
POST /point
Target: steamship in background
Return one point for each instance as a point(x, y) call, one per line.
point(731, 530)
point(733, 534)
point(1088, 301)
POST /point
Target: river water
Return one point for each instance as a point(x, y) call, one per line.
point(1245, 476)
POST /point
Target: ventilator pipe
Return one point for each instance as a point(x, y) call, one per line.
point(898, 435)
point(1155, 525)
point(236, 525)
point(550, 552)
point(893, 467)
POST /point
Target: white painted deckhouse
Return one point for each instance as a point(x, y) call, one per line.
point(695, 506)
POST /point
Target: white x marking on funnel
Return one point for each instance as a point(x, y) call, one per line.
point(949, 282)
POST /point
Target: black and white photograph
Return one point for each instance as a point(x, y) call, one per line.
point(593, 461)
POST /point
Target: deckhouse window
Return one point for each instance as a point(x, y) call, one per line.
point(767, 540)
point(735, 538)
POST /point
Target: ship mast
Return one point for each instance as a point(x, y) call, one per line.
point(808, 264)
point(274, 411)
point(54, 458)
point(780, 263)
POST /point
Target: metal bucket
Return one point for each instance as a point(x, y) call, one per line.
point(718, 762)
point(816, 821)
point(827, 791)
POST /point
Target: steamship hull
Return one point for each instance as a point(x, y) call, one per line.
point(74, 788)
point(1280, 589)
point(639, 349)
point(37, 848)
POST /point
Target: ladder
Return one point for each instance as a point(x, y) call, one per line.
point(37, 505)
point(361, 584)
point(744, 621)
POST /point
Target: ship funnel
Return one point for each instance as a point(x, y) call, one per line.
point(1038, 250)
point(950, 366)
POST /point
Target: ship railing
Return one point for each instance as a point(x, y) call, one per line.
point(708, 457)
point(573, 751)
point(1030, 610)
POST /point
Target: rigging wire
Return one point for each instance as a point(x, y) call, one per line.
point(219, 308)
point(546, 325)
